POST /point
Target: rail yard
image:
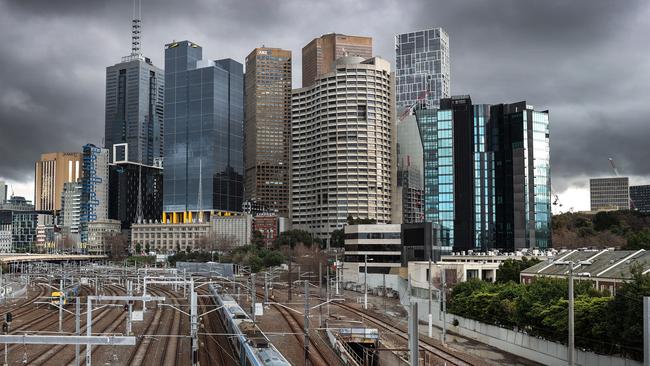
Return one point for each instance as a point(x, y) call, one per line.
point(74, 314)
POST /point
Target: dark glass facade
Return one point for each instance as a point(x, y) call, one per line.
point(640, 198)
point(127, 182)
point(519, 138)
point(486, 175)
point(134, 109)
point(203, 155)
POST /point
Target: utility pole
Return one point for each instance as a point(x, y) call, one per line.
point(429, 279)
point(306, 320)
point(266, 287)
point(61, 306)
point(77, 329)
point(414, 341)
point(336, 275)
point(129, 287)
point(444, 306)
point(290, 276)
point(320, 292)
point(571, 318)
point(194, 327)
point(365, 283)
point(253, 296)
point(646, 331)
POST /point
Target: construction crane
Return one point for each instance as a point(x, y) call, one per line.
point(615, 169)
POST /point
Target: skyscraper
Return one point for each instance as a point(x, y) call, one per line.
point(409, 205)
point(519, 137)
point(134, 105)
point(51, 172)
point(422, 67)
point(71, 210)
point(267, 136)
point(342, 147)
point(204, 115)
point(135, 193)
point(94, 187)
point(318, 56)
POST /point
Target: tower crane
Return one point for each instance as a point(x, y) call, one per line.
point(615, 169)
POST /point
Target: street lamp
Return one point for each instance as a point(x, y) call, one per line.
point(572, 266)
point(365, 283)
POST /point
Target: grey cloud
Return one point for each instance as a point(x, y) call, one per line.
point(583, 60)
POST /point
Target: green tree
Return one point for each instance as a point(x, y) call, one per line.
point(147, 248)
point(138, 249)
point(273, 258)
point(606, 220)
point(294, 237)
point(337, 239)
point(257, 239)
point(510, 268)
point(360, 221)
point(638, 240)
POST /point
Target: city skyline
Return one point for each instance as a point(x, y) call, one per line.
point(563, 45)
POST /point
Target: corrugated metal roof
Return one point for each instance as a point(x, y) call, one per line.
point(614, 264)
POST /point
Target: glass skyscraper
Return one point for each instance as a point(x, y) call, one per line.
point(422, 68)
point(519, 138)
point(486, 175)
point(203, 155)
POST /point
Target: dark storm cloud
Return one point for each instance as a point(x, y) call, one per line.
point(585, 61)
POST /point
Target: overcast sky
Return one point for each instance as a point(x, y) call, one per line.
point(586, 61)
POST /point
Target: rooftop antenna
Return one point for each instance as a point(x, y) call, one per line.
point(135, 28)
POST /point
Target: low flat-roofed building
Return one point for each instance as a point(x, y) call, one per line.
point(168, 238)
point(607, 268)
point(381, 244)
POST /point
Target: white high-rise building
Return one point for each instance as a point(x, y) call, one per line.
point(342, 144)
point(422, 67)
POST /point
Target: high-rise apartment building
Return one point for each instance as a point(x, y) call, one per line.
point(71, 210)
point(134, 105)
point(422, 68)
point(640, 198)
point(204, 115)
point(267, 136)
point(52, 171)
point(519, 137)
point(319, 55)
point(94, 187)
point(342, 147)
point(486, 174)
point(608, 194)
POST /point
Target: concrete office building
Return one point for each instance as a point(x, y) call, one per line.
point(18, 215)
point(94, 188)
point(98, 233)
point(3, 191)
point(51, 172)
point(5, 237)
point(640, 198)
point(319, 55)
point(608, 194)
point(170, 237)
point(236, 228)
point(422, 68)
point(342, 147)
point(134, 105)
point(204, 115)
point(267, 135)
point(381, 244)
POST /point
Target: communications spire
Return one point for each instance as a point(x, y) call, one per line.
point(136, 28)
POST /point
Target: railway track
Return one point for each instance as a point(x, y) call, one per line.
point(213, 324)
point(137, 357)
point(437, 351)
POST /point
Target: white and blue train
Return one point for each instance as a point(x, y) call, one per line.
point(251, 344)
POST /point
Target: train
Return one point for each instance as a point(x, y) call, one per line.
point(69, 293)
point(251, 345)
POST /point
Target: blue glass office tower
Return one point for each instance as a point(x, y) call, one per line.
point(486, 174)
point(203, 155)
